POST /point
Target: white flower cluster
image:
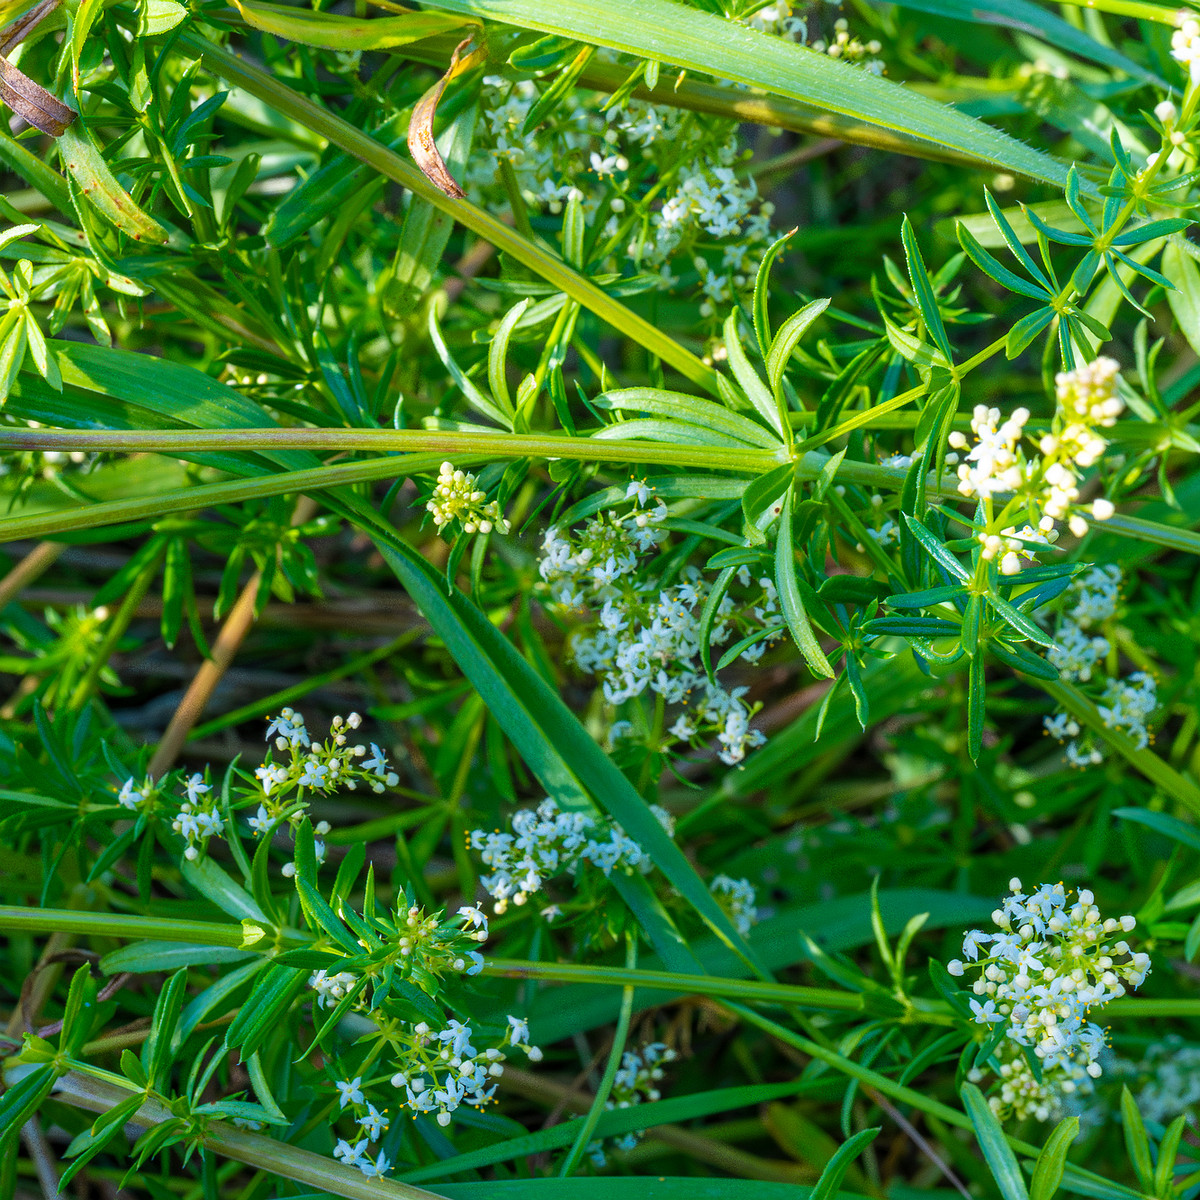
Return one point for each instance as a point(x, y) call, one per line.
point(850, 49)
point(442, 1070)
point(1041, 976)
point(1077, 649)
point(737, 897)
point(686, 160)
point(437, 1066)
point(637, 1079)
point(1185, 47)
point(197, 817)
point(456, 498)
point(545, 842)
point(1021, 1094)
point(138, 797)
point(320, 768)
point(778, 20)
point(647, 637)
point(1125, 704)
point(1045, 484)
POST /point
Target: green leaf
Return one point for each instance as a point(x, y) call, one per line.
point(21, 1100)
point(828, 1186)
point(993, 268)
point(498, 356)
point(789, 596)
point(708, 616)
point(84, 17)
point(700, 41)
point(157, 1049)
point(1151, 229)
point(688, 408)
point(762, 294)
point(1137, 1144)
point(922, 355)
point(936, 550)
point(76, 1025)
point(473, 396)
point(996, 1150)
point(1020, 622)
point(784, 342)
point(1181, 269)
point(1164, 823)
point(976, 685)
point(927, 598)
point(85, 164)
point(140, 958)
point(748, 379)
point(36, 173)
point(332, 32)
point(159, 16)
point(92, 1141)
point(1052, 1161)
point(1168, 1149)
point(1021, 659)
point(217, 994)
point(215, 885)
point(263, 1010)
point(924, 291)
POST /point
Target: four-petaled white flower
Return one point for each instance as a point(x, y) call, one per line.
point(349, 1091)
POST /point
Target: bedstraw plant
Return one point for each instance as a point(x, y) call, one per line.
point(564, 563)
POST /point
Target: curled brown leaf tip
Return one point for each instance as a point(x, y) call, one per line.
point(420, 127)
point(30, 101)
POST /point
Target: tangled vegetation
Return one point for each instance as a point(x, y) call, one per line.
point(600, 591)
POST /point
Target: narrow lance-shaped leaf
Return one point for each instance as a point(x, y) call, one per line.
point(924, 290)
point(92, 176)
point(1052, 1161)
point(762, 293)
point(784, 342)
point(835, 1169)
point(789, 596)
point(1137, 1143)
point(748, 378)
point(996, 1151)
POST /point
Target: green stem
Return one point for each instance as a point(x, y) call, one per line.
point(1136, 1008)
point(444, 442)
point(341, 133)
point(686, 985)
point(584, 1137)
point(467, 447)
point(118, 925)
point(265, 1154)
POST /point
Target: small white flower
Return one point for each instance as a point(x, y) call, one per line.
point(349, 1091)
